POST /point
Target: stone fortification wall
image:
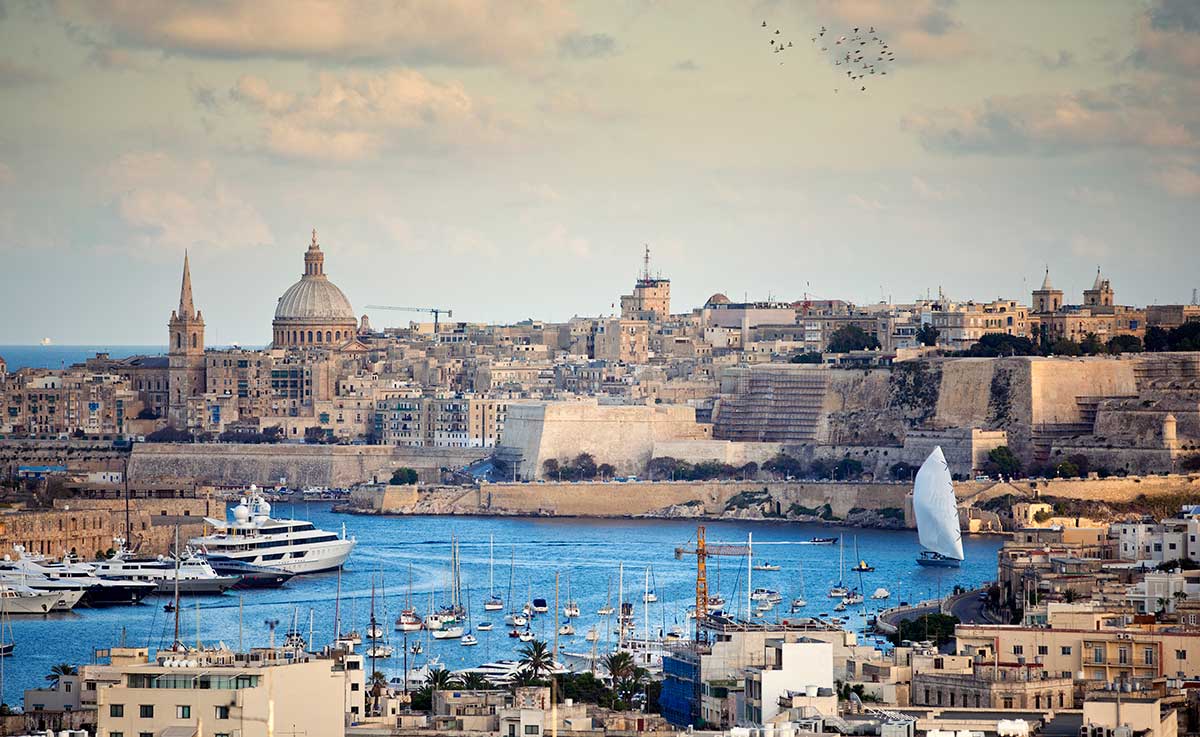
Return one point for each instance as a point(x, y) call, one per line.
point(76, 455)
point(963, 395)
point(706, 498)
point(301, 465)
point(622, 435)
point(88, 526)
point(1056, 383)
point(722, 451)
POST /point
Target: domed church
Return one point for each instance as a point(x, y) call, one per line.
point(313, 311)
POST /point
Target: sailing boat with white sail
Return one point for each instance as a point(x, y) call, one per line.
point(572, 608)
point(936, 511)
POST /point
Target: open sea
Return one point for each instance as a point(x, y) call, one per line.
point(63, 356)
point(586, 554)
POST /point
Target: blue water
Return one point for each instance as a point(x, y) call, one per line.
point(63, 356)
point(586, 551)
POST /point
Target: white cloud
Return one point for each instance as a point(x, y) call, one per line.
point(928, 192)
point(448, 31)
point(353, 117)
point(1092, 196)
point(1178, 180)
point(169, 203)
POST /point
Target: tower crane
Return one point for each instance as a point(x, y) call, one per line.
point(702, 551)
point(435, 311)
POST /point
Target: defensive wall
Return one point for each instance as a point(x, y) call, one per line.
point(301, 465)
point(88, 526)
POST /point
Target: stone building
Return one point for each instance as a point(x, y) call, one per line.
point(1006, 685)
point(185, 354)
point(651, 298)
point(1099, 314)
point(313, 311)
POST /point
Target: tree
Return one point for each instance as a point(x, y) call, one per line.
point(992, 345)
point(1092, 345)
point(317, 435)
point(1157, 339)
point(784, 466)
point(58, 671)
point(147, 413)
point(847, 468)
point(585, 466)
point(928, 335)
point(550, 468)
point(1003, 462)
point(440, 679)
point(169, 435)
point(901, 471)
point(535, 659)
point(1186, 337)
point(1119, 344)
point(1082, 465)
point(403, 476)
point(474, 682)
point(1066, 470)
point(851, 338)
point(809, 357)
point(606, 470)
point(619, 665)
point(1065, 347)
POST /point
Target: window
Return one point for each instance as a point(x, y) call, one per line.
point(1181, 654)
point(1098, 654)
point(145, 734)
point(116, 734)
point(146, 711)
point(353, 686)
point(1066, 649)
point(1018, 649)
point(222, 712)
point(1148, 655)
point(531, 729)
point(183, 711)
point(116, 710)
point(1043, 650)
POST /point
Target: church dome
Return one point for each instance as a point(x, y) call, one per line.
point(717, 299)
point(314, 298)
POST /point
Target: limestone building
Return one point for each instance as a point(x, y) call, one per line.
point(1099, 314)
point(185, 356)
point(313, 311)
point(651, 298)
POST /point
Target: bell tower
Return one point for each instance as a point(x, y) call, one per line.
point(185, 353)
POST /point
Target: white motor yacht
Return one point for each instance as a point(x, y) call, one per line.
point(255, 537)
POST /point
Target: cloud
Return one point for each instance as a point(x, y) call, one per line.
point(353, 117)
point(168, 203)
point(1052, 124)
point(587, 46)
point(111, 57)
point(558, 240)
point(1088, 247)
point(1168, 37)
point(469, 32)
point(928, 192)
point(1089, 196)
point(1178, 180)
point(687, 65)
point(13, 74)
point(1062, 59)
point(920, 30)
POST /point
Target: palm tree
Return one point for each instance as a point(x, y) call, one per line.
point(474, 682)
point(440, 679)
point(630, 685)
point(62, 669)
point(535, 659)
point(619, 665)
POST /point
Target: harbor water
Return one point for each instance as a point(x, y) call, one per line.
point(585, 553)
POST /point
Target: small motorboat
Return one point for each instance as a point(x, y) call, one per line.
point(838, 592)
point(881, 593)
point(540, 606)
point(566, 630)
point(514, 633)
point(820, 541)
point(841, 607)
point(468, 640)
point(650, 597)
point(484, 626)
point(798, 603)
point(765, 566)
point(525, 636)
point(493, 604)
point(770, 595)
point(571, 609)
point(605, 611)
point(448, 633)
point(852, 599)
point(379, 651)
point(516, 619)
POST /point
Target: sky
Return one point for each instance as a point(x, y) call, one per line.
point(510, 160)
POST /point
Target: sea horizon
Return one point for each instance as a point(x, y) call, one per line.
point(55, 356)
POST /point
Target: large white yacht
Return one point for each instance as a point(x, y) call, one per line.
point(191, 574)
point(254, 537)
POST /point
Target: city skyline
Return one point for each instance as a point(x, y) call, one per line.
point(512, 167)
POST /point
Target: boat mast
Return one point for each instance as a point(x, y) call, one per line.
point(646, 607)
point(175, 644)
point(492, 566)
point(621, 605)
point(749, 575)
point(337, 608)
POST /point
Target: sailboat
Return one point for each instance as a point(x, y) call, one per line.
point(607, 609)
point(374, 628)
point(409, 620)
point(514, 618)
point(840, 591)
point(799, 602)
point(493, 603)
point(936, 511)
point(650, 596)
point(572, 608)
point(469, 638)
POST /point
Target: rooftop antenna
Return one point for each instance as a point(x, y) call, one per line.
point(1195, 301)
point(646, 263)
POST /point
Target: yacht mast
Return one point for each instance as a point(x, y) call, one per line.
point(175, 643)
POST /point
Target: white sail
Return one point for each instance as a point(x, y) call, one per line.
point(935, 508)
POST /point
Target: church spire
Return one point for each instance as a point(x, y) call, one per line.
point(314, 260)
point(186, 308)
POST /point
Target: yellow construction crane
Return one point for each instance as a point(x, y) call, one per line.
point(702, 551)
point(435, 311)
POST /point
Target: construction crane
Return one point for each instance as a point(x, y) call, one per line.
point(702, 551)
point(437, 312)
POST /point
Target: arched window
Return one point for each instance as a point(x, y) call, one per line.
point(328, 337)
point(319, 336)
point(310, 336)
point(178, 340)
point(338, 334)
point(193, 340)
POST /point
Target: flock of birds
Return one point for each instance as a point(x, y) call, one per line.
point(860, 50)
